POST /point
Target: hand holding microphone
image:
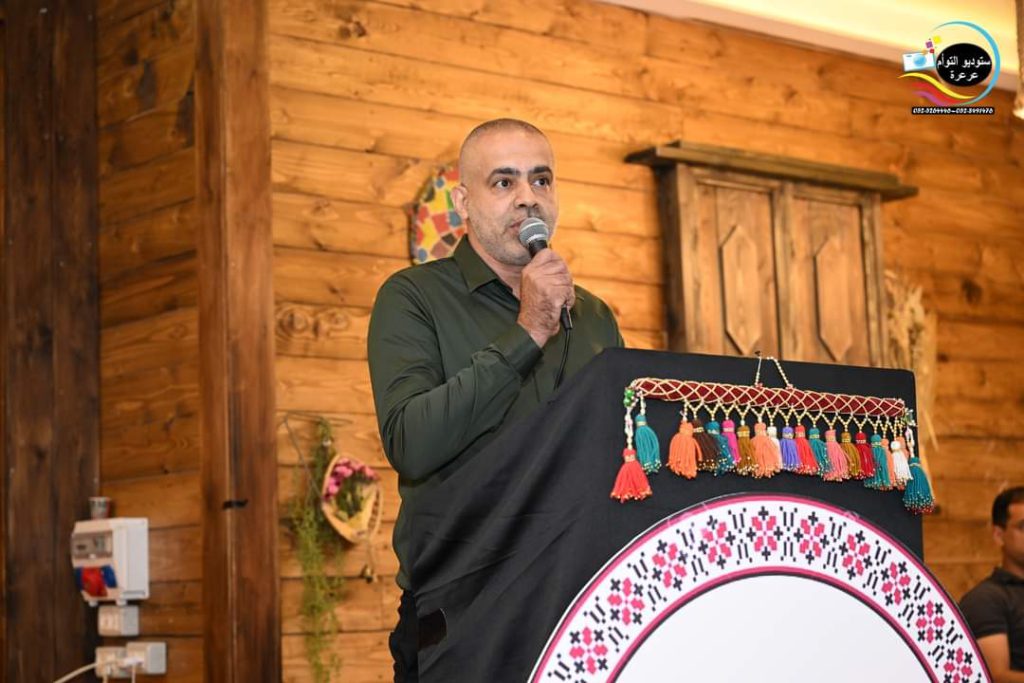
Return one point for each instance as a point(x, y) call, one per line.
point(546, 291)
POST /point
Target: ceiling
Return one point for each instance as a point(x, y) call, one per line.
point(883, 29)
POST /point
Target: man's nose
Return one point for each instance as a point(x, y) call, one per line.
point(525, 196)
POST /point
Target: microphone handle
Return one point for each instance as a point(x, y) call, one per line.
point(535, 246)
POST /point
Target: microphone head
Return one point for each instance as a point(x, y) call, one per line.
point(533, 229)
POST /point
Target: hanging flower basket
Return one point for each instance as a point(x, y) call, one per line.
point(351, 498)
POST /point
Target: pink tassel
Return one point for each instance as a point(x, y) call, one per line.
point(763, 452)
point(729, 431)
point(836, 458)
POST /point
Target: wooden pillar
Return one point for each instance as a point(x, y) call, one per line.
point(50, 331)
point(241, 611)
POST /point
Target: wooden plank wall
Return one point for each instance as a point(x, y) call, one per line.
point(49, 346)
point(241, 605)
point(148, 306)
point(367, 97)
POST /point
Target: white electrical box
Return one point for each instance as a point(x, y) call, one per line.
point(111, 559)
point(118, 620)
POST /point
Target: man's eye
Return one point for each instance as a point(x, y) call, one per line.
point(503, 183)
point(543, 182)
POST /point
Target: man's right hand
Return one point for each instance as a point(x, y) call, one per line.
point(546, 286)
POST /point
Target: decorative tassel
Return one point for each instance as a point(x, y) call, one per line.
point(631, 483)
point(683, 452)
point(723, 462)
point(901, 468)
point(881, 481)
point(867, 460)
point(808, 464)
point(918, 497)
point(820, 452)
point(647, 445)
point(729, 431)
point(852, 456)
point(838, 470)
point(748, 462)
point(773, 436)
point(790, 458)
point(764, 455)
point(891, 464)
point(708, 461)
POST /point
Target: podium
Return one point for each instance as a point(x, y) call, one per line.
point(541, 576)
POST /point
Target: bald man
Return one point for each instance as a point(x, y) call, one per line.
point(461, 347)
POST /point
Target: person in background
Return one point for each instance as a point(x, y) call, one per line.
point(994, 609)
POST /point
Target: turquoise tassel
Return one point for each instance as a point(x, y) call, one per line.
point(724, 462)
point(820, 451)
point(881, 480)
point(647, 448)
point(918, 494)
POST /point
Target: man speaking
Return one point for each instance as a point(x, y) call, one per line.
point(463, 346)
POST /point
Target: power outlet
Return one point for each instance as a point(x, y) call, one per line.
point(117, 620)
point(151, 655)
point(108, 662)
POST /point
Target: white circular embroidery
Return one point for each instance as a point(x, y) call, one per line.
point(688, 554)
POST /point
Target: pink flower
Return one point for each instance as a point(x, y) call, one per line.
point(344, 471)
point(370, 474)
point(332, 488)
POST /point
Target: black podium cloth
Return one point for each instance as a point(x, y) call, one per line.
point(505, 544)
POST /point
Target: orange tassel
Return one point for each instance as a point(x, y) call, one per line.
point(631, 484)
point(683, 452)
point(764, 453)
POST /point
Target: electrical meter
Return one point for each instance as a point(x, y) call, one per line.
point(111, 559)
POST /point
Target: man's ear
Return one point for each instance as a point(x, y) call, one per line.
point(997, 535)
point(459, 199)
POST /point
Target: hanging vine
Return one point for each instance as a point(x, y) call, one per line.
point(316, 546)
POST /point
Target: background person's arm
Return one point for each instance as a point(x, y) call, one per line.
point(996, 651)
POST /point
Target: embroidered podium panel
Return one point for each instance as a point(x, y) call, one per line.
point(762, 587)
point(520, 545)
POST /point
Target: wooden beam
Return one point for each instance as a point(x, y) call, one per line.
point(50, 345)
point(241, 605)
point(888, 186)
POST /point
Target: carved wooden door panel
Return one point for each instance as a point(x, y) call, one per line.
point(829, 277)
point(725, 257)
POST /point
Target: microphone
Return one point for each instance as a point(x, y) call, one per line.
point(534, 234)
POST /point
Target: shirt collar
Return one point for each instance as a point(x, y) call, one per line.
point(474, 270)
point(1003, 576)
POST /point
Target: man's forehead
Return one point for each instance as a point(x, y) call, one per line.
point(517, 149)
point(1015, 512)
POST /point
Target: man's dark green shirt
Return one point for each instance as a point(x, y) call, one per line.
point(449, 366)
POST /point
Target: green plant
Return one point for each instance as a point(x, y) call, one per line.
point(316, 545)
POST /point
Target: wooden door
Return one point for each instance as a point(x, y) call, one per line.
point(828, 276)
point(719, 245)
point(760, 264)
